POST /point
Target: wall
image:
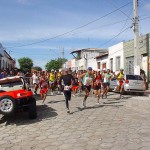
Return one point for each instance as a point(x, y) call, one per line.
point(6, 62)
point(129, 53)
point(114, 52)
point(102, 60)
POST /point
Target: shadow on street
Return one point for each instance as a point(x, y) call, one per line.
point(21, 118)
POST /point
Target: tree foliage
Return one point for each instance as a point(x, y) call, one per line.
point(55, 64)
point(37, 68)
point(25, 64)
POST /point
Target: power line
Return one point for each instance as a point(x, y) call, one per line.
point(114, 37)
point(114, 5)
point(104, 25)
point(60, 35)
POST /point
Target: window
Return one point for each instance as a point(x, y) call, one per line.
point(98, 65)
point(111, 64)
point(117, 63)
point(104, 66)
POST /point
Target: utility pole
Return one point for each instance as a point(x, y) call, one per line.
point(137, 57)
point(63, 56)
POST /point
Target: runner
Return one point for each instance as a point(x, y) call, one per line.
point(120, 77)
point(106, 84)
point(75, 85)
point(52, 79)
point(44, 87)
point(35, 80)
point(97, 86)
point(67, 79)
point(58, 75)
point(87, 84)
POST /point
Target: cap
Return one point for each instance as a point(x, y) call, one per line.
point(104, 69)
point(89, 68)
point(52, 70)
point(121, 69)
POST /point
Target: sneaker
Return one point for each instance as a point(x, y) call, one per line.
point(58, 92)
point(68, 111)
point(73, 95)
point(52, 93)
point(97, 103)
point(84, 104)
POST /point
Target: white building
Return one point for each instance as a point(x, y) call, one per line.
point(86, 58)
point(116, 57)
point(102, 61)
point(6, 61)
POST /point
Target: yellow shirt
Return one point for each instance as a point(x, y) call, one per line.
point(121, 76)
point(52, 77)
point(58, 75)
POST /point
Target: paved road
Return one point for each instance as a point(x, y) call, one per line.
point(114, 125)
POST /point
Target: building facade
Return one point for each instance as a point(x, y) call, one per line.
point(144, 52)
point(86, 58)
point(116, 57)
point(102, 61)
point(6, 61)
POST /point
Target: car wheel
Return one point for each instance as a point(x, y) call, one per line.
point(32, 108)
point(7, 105)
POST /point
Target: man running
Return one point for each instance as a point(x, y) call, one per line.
point(67, 80)
point(97, 86)
point(52, 79)
point(35, 80)
point(120, 77)
point(87, 79)
point(106, 84)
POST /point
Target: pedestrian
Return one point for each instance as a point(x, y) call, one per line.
point(87, 79)
point(67, 80)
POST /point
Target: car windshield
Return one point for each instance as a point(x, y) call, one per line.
point(11, 84)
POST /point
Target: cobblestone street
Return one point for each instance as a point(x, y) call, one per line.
point(114, 124)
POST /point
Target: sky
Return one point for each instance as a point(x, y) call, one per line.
point(40, 29)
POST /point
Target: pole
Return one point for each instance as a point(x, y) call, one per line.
point(63, 53)
point(137, 58)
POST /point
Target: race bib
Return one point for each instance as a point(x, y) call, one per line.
point(89, 81)
point(66, 88)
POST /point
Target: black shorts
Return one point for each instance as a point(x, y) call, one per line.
point(87, 88)
point(97, 87)
point(106, 84)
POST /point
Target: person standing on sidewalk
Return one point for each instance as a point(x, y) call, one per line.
point(88, 78)
point(67, 80)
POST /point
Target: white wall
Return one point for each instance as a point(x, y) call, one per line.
point(116, 51)
point(90, 58)
point(103, 60)
point(5, 59)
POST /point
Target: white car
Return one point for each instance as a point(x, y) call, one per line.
point(132, 83)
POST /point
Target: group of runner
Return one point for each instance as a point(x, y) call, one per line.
point(72, 83)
